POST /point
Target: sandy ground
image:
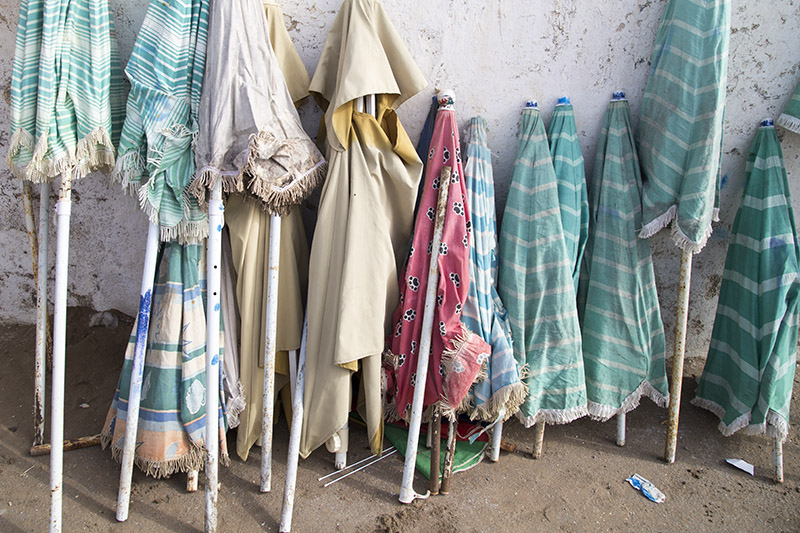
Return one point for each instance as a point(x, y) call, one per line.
point(579, 484)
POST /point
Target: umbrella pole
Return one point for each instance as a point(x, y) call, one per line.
point(135, 394)
point(449, 455)
point(435, 434)
point(294, 438)
point(42, 318)
point(191, 481)
point(407, 494)
point(777, 458)
point(268, 406)
point(292, 373)
point(677, 359)
point(621, 428)
point(497, 438)
point(538, 442)
point(216, 220)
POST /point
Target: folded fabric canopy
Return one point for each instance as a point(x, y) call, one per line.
point(748, 377)
point(681, 127)
point(364, 219)
point(623, 336)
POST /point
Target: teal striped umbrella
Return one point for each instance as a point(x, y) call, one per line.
point(67, 95)
point(502, 392)
point(790, 118)
point(565, 150)
point(535, 283)
point(680, 133)
point(156, 159)
point(748, 377)
point(623, 336)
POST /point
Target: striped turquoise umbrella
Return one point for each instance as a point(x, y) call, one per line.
point(623, 336)
point(790, 118)
point(502, 392)
point(748, 377)
point(535, 283)
point(565, 150)
point(680, 134)
point(156, 159)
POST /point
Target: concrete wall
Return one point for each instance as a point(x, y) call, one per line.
point(495, 54)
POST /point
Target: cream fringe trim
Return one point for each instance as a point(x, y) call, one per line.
point(184, 232)
point(648, 230)
point(95, 151)
point(511, 397)
point(789, 122)
point(553, 416)
point(603, 413)
point(235, 406)
point(681, 239)
point(194, 459)
point(280, 200)
point(128, 172)
point(775, 426)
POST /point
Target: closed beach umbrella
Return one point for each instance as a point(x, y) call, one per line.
point(501, 394)
point(790, 117)
point(536, 285)
point(565, 149)
point(364, 220)
point(748, 377)
point(623, 336)
point(680, 134)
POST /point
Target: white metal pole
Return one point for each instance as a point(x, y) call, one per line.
point(621, 429)
point(538, 440)
point(407, 494)
point(294, 438)
point(677, 359)
point(497, 438)
point(191, 481)
point(42, 316)
point(135, 394)
point(216, 220)
point(63, 211)
point(777, 457)
point(268, 407)
point(292, 373)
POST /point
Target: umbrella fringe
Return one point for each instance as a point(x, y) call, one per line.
point(685, 243)
point(775, 425)
point(95, 152)
point(184, 232)
point(279, 199)
point(42, 170)
point(20, 140)
point(207, 178)
point(511, 397)
point(128, 172)
point(194, 459)
point(553, 416)
point(235, 406)
point(659, 223)
point(602, 413)
point(789, 122)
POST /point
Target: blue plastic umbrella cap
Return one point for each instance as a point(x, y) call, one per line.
point(531, 104)
point(564, 100)
point(767, 123)
point(619, 95)
point(446, 99)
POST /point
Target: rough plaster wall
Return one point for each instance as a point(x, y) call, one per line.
point(495, 54)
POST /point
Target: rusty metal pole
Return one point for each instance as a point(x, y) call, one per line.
point(538, 440)
point(677, 360)
point(435, 432)
point(449, 455)
point(271, 319)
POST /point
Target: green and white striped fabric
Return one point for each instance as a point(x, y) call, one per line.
point(748, 377)
point(156, 157)
point(565, 150)
point(790, 118)
point(67, 95)
point(680, 134)
point(535, 284)
point(623, 336)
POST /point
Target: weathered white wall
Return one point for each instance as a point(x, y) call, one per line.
point(495, 54)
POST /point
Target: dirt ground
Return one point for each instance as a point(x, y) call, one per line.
point(578, 485)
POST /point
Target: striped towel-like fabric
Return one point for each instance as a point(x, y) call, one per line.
point(680, 134)
point(535, 283)
point(565, 149)
point(171, 430)
point(67, 95)
point(790, 118)
point(623, 336)
point(156, 158)
point(502, 392)
point(748, 377)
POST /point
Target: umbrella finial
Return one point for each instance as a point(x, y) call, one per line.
point(564, 100)
point(767, 123)
point(619, 95)
point(531, 104)
point(446, 99)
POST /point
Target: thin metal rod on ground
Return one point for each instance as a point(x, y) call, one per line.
point(69, 445)
point(621, 419)
point(538, 440)
point(137, 368)
point(299, 388)
point(435, 432)
point(216, 221)
point(407, 494)
point(681, 319)
point(348, 467)
point(350, 473)
point(449, 455)
point(271, 319)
